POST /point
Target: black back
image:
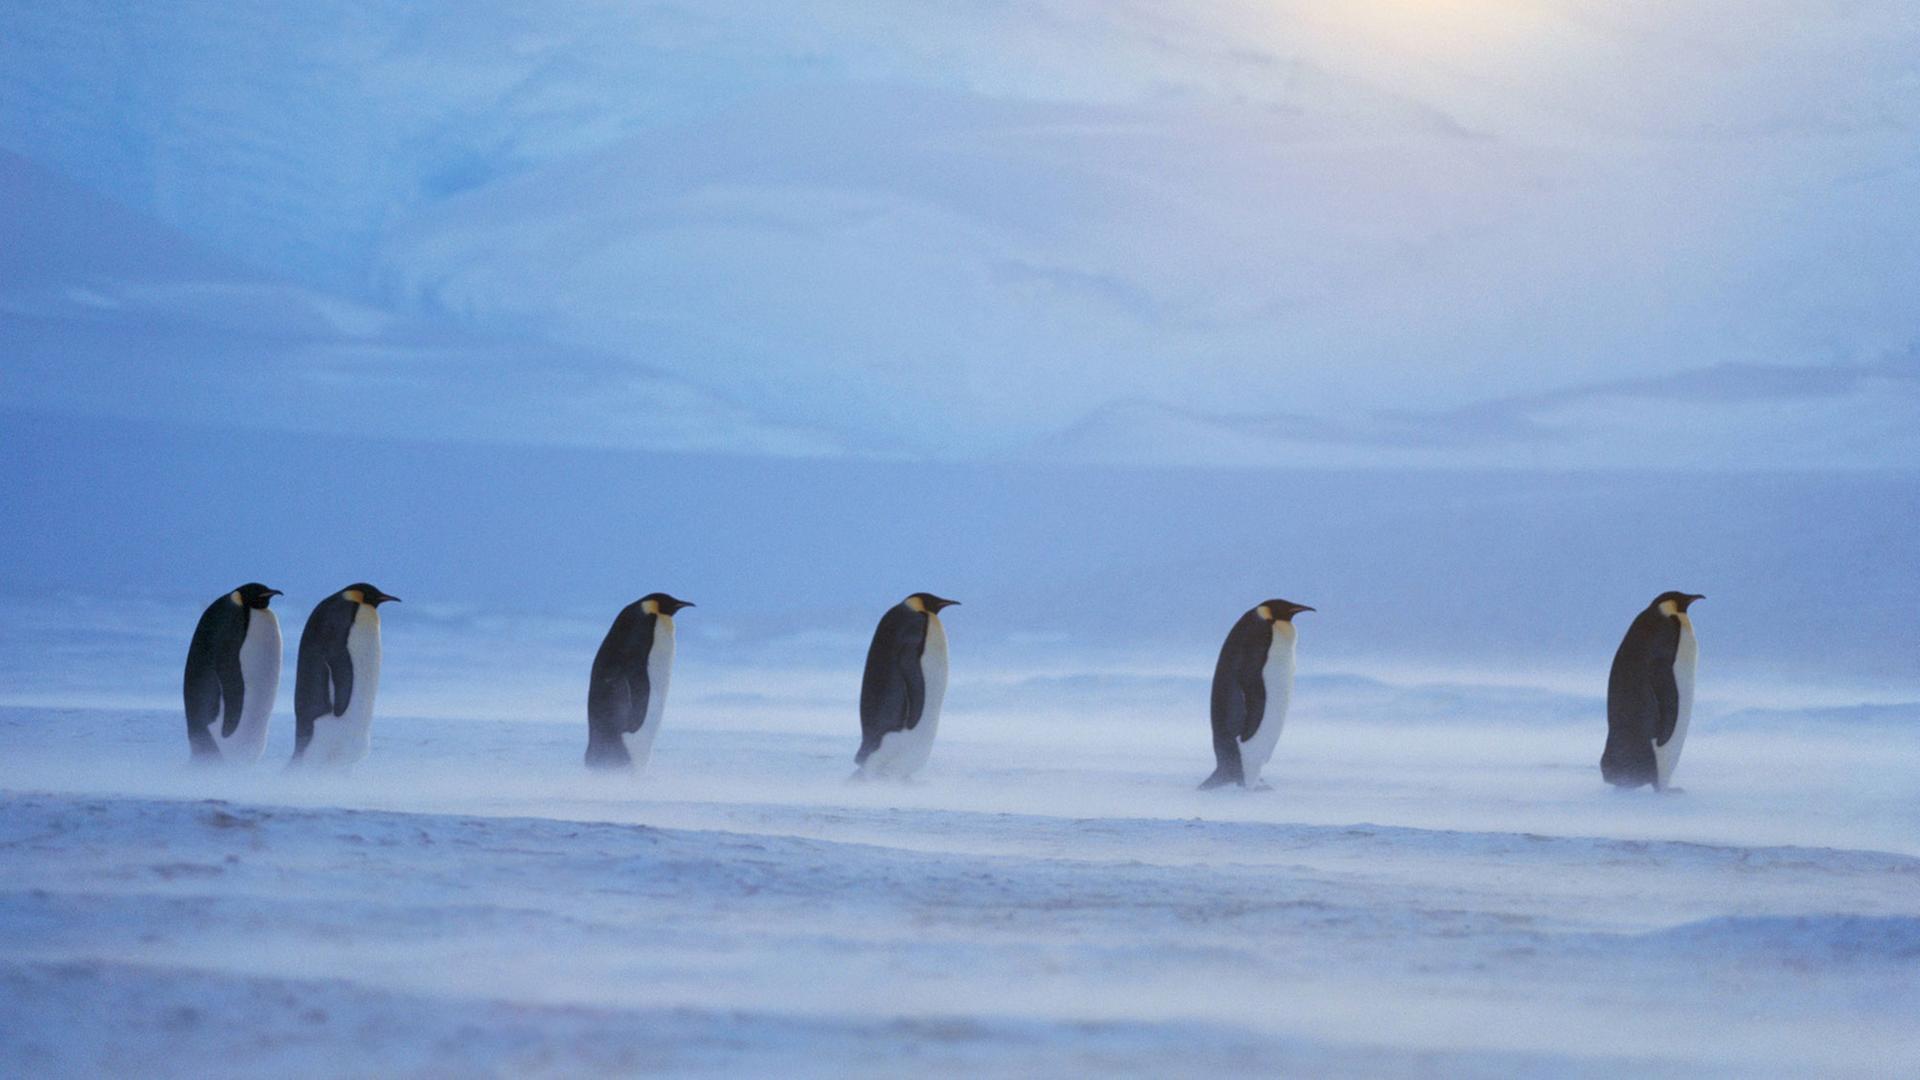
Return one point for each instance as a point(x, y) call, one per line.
point(618, 688)
point(214, 687)
point(1239, 694)
point(893, 690)
point(323, 682)
point(1643, 701)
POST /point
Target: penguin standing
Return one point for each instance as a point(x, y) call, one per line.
point(338, 673)
point(1252, 684)
point(1650, 694)
point(900, 694)
point(627, 691)
point(233, 674)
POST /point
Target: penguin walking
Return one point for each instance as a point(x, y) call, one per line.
point(1650, 695)
point(1252, 684)
point(901, 692)
point(233, 674)
point(337, 675)
point(627, 691)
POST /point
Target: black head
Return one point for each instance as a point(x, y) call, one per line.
point(255, 595)
point(1680, 600)
point(1280, 610)
point(659, 603)
point(363, 593)
point(929, 603)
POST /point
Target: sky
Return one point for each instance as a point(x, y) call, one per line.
point(1449, 311)
point(1383, 234)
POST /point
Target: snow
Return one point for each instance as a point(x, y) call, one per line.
point(1425, 891)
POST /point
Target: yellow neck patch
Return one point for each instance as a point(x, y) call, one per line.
point(914, 603)
point(1265, 612)
point(355, 595)
point(235, 597)
point(651, 607)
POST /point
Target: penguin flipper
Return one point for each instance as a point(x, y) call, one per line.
point(233, 692)
point(1666, 692)
point(637, 688)
point(340, 673)
point(1253, 700)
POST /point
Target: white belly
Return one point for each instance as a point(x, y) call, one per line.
point(659, 673)
point(342, 740)
point(1685, 661)
point(1278, 675)
point(902, 753)
point(260, 672)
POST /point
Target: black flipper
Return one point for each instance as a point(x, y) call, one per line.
point(893, 689)
point(1666, 691)
point(340, 670)
point(233, 683)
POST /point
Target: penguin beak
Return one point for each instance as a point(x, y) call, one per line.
point(385, 599)
point(275, 592)
point(686, 604)
point(1297, 608)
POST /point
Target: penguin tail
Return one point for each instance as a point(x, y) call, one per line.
point(1627, 770)
point(606, 758)
point(1220, 778)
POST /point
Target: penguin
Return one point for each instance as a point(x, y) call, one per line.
point(900, 694)
point(1650, 695)
point(233, 674)
point(1252, 684)
point(627, 691)
point(337, 675)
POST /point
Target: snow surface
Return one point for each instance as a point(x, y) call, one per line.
point(1439, 884)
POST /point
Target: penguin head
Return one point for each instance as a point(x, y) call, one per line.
point(255, 595)
point(364, 593)
point(1679, 600)
point(929, 603)
point(659, 603)
point(1280, 610)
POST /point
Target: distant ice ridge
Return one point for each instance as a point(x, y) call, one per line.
point(989, 231)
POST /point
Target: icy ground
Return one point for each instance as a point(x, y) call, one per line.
point(1443, 894)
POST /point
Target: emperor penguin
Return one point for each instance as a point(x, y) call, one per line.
point(627, 692)
point(901, 692)
point(1252, 684)
point(233, 673)
point(1650, 694)
point(338, 673)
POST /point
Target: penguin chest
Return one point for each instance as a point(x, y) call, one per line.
point(902, 753)
point(659, 673)
point(342, 740)
point(1686, 660)
point(260, 655)
point(1277, 676)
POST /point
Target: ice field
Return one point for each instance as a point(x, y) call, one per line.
point(1439, 883)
